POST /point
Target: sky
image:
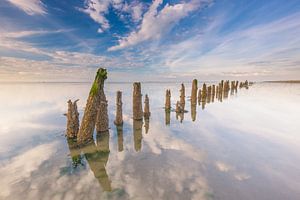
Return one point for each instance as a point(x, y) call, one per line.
point(159, 40)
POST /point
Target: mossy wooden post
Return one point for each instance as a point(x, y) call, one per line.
point(102, 123)
point(182, 95)
point(168, 101)
point(146, 107)
point(88, 122)
point(137, 101)
point(213, 91)
point(72, 120)
point(199, 96)
point(194, 92)
point(119, 114)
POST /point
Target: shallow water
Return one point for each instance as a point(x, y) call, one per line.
point(245, 147)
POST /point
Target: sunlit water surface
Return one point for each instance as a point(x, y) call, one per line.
point(246, 147)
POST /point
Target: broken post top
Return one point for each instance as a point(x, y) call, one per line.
point(137, 88)
point(99, 80)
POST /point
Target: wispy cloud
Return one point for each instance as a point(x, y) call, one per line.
point(97, 9)
point(157, 22)
point(31, 7)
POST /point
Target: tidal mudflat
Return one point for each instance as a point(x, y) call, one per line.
point(243, 147)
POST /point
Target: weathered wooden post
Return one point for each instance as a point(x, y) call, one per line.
point(204, 92)
point(102, 122)
point(88, 122)
point(199, 97)
point(137, 101)
point(182, 96)
point(194, 92)
point(146, 108)
point(72, 120)
point(119, 114)
point(208, 94)
point(168, 101)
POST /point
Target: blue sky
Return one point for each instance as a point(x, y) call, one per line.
point(55, 40)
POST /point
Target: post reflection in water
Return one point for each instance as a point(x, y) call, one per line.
point(167, 117)
point(180, 116)
point(96, 156)
point(193, 112)
point(147, 121)
point(120, 137)
point(74, 153)
point(137, 134)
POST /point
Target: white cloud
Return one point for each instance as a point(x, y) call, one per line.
point(97, 9)
point(157, 23)
point(137, 12)
point(31, 7)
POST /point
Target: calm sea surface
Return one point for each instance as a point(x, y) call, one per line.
point(245, 147)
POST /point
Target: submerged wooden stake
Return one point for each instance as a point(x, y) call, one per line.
point(194, 92)
point(146, 107)
point(199, 96)
point(168, 100)
point(102, 123)
point(204, 92)
point(182, 96)
point(72, 120)
point(137, 101)
point(119, 114)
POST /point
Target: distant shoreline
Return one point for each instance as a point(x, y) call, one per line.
point(120, 82)
point(288, 81)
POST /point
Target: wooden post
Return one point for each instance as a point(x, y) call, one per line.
point(168, 100)
point(119, 113)
point(146, 107)
point(137, 101)
point(102, 122)
point(182, 96)
point(194, 92)
point(72, 120)
point(89, 118)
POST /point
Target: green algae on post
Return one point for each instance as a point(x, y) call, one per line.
point(88, 122)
